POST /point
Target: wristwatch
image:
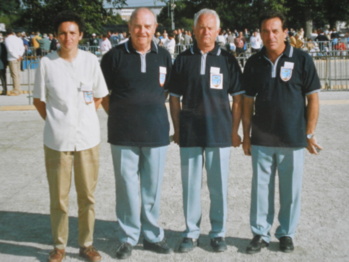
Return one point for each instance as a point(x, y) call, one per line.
point(310, 136)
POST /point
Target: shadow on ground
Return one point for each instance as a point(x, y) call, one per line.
point(21, 234)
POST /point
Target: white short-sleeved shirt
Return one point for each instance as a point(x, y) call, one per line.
point(68, 89)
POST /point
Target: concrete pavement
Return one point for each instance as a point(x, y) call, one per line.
point(24, 202)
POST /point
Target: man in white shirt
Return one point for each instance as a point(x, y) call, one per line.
point(255, 42)
point(105, 44)
point(69, 87)
point(170, 44)
point(15, 51)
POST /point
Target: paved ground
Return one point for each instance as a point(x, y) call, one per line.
point(24, 205)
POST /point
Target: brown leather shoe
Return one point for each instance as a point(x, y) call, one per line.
point(90, 253)
point(56, 255)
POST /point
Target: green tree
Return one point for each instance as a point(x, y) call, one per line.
point(9, 11)
point(233, 14)
point(38, 14)
point(317, 13)
point(239, 14)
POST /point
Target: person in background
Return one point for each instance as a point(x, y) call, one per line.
point(35, 43)
point(3, 65)
point(15, 52)
point(69, 87)
point(94, 41)
point(54, 43)
point(170, 44)
point(105, 45)
point(255, 42)
point(45, 44)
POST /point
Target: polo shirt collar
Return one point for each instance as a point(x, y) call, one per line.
point(129, 47)
point(288, 51)
point(215, 51)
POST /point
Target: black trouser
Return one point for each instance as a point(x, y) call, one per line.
point(3, 81)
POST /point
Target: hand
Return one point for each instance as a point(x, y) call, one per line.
point(236, 140)
point(176, 137)
point(246, 146)
point(313, 147)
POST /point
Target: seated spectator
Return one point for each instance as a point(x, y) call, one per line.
point(340, 45)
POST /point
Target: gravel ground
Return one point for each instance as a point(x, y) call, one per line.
point(24, 205)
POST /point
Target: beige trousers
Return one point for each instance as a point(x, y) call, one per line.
point(15, 71)
point(59, 166)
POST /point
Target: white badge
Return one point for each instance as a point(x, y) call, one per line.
point(87, 92)
point(88, 96)
point(289, 65)
point(215, 70)
point(216, 81)
point(285, 73)
point(85, 87)
point(162, 75)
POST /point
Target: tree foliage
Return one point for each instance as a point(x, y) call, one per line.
point(239, 14)
point(9, 11)
point(38, 14)
point(235, 14)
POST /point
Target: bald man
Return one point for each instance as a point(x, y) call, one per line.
point(137, 73)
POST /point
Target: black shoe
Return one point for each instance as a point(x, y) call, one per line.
point(218, 244)
point(286, 244)
point(256, 245)
point(188, 244)
point(3, 93)
point(124, 251)
point(158, 247)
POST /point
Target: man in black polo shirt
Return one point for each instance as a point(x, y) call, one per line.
point(282, 86)
point(205, 126)
point(137, 73)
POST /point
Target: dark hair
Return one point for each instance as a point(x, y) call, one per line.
point(9, 30)
point(272, 14)
point(69, 16)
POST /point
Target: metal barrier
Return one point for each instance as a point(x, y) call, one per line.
point(332, 67)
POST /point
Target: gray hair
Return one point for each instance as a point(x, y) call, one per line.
point(134, 13)
point(206, 11)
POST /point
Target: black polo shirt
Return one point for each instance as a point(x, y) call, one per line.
point(205, 82)
point(280, 91)
point(137, 112)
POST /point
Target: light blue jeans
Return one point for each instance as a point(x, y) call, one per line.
point(138, 167)
point(288, 162)
point(216, 161)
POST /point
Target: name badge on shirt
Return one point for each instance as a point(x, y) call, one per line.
point(162, 75)
point(87, 93)
point(286, 71)
point(216, 81)
point(88, 96)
